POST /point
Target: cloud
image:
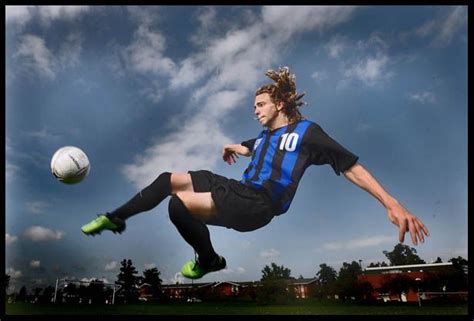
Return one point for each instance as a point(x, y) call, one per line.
point(145, 54)
point(358, 243)
point(319, 75)
point(230, 67)
point(35, 264)
point(424, 97)
point(14, 274)
point(444, 28)
point(239, 270)
point(18, 14)
point(149, 266)
point(178, 279)
point(37, 207)
point(336, 46)
point(43, 134)
point(111, 266)
point(269, 254)
point(39, 233)
point(10, 239)
point(370, 71)
point(35, 57)
point(10, 171)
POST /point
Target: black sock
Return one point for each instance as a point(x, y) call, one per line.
point(148, 198)
point(194, 231)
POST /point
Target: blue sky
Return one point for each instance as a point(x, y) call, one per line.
point(144, 90)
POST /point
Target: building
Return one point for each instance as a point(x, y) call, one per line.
point(379, 277)
point(226, 289)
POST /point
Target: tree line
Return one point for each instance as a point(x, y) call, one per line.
point(274, 283)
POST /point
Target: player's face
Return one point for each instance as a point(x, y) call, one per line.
point(265, 110)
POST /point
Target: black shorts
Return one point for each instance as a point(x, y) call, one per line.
point(239, 206)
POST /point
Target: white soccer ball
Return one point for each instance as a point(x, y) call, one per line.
point(70, 165)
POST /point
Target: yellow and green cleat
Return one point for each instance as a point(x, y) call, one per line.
point(102, 222)
point(193, 270)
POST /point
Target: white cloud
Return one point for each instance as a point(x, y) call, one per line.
point(199, 139)
point(111, 266)
point(148, 266)
point(43, 134)
point(371, 71)
point(34, 56)
point(37, 207)
point(233, 64)
point(39, 233)
point(288, 20)
point(145, 54)
point(10, 171)
point(21, 15)
point(423, 97)
point(18, 14)
point(48, 14)
point(269, 254)
point(10, 239)
point(444, 28)
point(14, 274)
point(358, 243)
point(178, 279)
point(35, 264)
point(336, 46)
point(319, 75)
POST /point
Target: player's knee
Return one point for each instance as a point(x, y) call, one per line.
point(177, 210)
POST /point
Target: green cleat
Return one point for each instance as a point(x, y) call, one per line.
point(102, 222)
point(192, 269)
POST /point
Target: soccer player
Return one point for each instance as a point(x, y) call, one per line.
point(279, 156)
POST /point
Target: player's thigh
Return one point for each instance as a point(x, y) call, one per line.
point(200, 205)
point(181, 182)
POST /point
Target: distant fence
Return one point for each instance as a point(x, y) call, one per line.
point(430, 295)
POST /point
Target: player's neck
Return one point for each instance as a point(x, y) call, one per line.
point(280, 121)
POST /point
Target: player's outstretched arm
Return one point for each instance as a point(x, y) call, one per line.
point(397, 214)
point(230, 153)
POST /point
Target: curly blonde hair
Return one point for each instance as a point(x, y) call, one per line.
point(284, 90)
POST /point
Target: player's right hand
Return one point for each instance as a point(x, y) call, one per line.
point(229, 154)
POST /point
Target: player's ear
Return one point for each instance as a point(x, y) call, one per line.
point(279, 105)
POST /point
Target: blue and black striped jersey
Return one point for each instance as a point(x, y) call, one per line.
point(281, 156)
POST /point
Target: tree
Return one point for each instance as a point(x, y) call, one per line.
point(274, 287)
point(438, 260)
point(378, 264)
point(327, 277)
point(96, 291)
point(152, 277)
point(128, 280)
point(403, 255)
point(22, 295)
point(399, 284)
point(47, 294)
point(347, 284)
point(275, 272)
point(7, 282)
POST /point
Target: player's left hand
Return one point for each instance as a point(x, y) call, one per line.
point(407, 222)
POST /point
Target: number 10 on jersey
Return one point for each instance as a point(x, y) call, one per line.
point(289, 141)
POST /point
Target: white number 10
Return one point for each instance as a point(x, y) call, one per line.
point(289, 141)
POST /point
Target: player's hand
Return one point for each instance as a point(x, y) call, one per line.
point(407, 222)
point(229, 154)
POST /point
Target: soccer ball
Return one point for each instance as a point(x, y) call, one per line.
point(70, 165)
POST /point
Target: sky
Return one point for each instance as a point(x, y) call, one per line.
point(144, 90)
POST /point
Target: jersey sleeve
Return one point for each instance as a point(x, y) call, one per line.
point(325, 150)
point(249, 143)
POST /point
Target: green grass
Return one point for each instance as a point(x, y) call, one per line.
point(308, 307)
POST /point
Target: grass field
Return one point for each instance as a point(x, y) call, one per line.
point(306, 307)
